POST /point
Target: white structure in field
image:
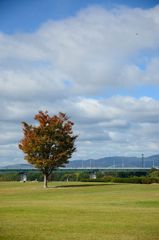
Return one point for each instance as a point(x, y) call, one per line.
point(23, 177)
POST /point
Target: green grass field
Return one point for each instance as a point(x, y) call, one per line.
point(112, 212)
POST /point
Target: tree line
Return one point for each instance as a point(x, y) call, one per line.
point(117, 177)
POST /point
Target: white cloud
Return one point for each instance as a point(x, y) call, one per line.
point(66, 65)
point(94, 48)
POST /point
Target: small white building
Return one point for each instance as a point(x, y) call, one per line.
point(23, 177)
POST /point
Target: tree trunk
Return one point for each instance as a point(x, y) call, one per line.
point(45, 180)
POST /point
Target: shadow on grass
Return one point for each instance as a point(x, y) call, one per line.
point(81, 185)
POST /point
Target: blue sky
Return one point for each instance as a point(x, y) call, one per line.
point(27, 16)
point(98, 61)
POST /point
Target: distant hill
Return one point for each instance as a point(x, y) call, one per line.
point(18, 166)
point(106, 162)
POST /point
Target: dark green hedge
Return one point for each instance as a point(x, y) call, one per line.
point(139, 180)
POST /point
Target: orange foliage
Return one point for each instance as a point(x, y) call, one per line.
point(50, 144)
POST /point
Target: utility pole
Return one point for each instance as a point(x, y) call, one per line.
point(153, 163)
point(122, 163)
point(114, 163)
point(142, 159)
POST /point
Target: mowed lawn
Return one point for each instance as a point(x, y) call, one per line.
point(112, 212)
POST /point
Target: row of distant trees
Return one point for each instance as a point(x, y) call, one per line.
point(124, 177)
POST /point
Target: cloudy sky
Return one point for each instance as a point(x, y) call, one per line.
point(96, 60)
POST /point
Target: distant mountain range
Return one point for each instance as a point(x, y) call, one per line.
point(116, 162)
point(106, 162)
point(18, 166)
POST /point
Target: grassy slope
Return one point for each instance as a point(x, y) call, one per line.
point(113, 212)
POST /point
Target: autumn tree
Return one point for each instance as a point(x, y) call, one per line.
point(50, 144)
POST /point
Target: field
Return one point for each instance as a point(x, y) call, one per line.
point(112, 212)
